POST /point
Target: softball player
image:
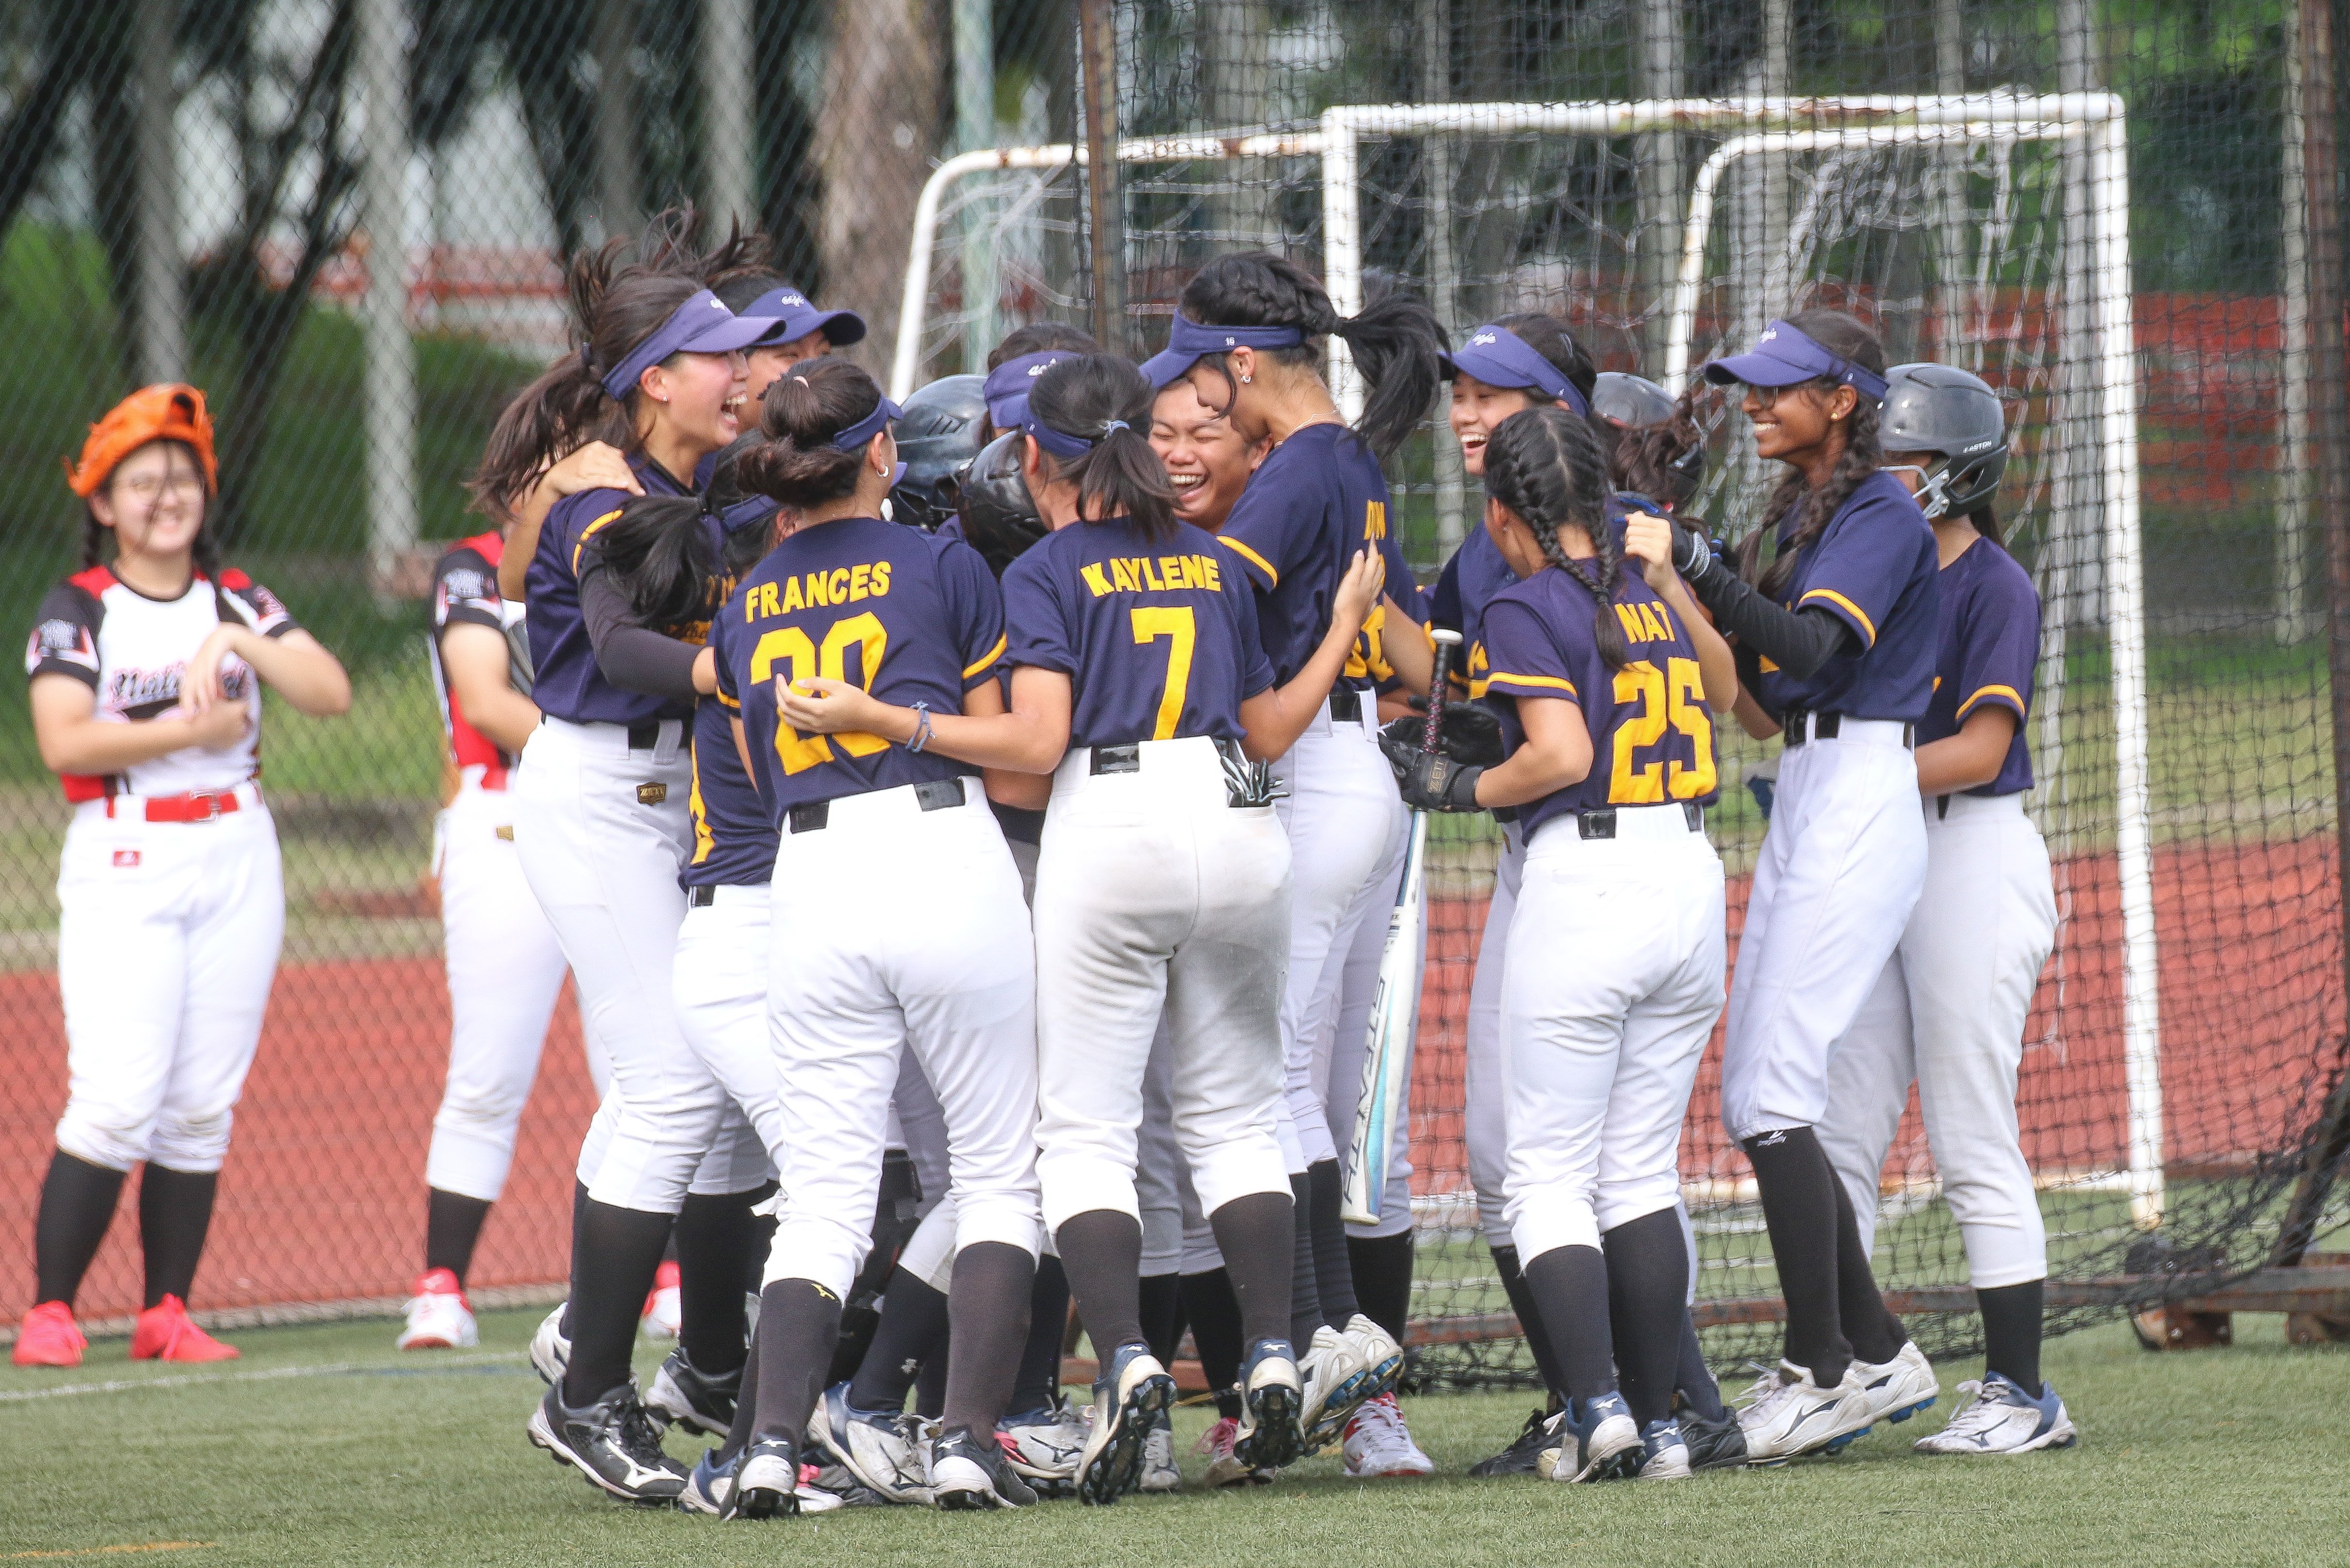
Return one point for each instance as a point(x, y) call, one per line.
point(1208, 463)
point(145, 674)
point(1247, 337)
point(905, 927)
point(505, 967)
point(602, 822)
point(1607, 677)
point(1948, 1011)
point(1841, 627)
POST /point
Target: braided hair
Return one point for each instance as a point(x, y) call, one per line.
point(1544, 465)
point(1860, 456)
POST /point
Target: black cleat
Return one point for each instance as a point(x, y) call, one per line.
point(1714, 1445)
point(1518, 1459)
point(612, 1442)
point(767, 1481)
point(972, 1470)
point(697, 1400)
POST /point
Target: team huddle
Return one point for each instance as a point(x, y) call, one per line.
point(972, 828)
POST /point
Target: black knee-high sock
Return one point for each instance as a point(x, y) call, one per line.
point(1037, 1386)
point(1571, 1284)
point(1530, 1322)
point(1382, 1267)
point(716, 1234)
point(931, 1383)
point(452, 1228)
point(1876, 1334)
point(175, 1213)
point(1334, 1273)
point(912, 1333)
point(1692, 1379)
point(798, 1319)
point(746, 1413)
point(578, 1223)
point(1161, 1315)
point(988, 1306)
point(1101, 1249)
point(1647, 1278)
point(2010, 1316)
point(1215, 1315)
point(77, 1201)
point(619, 1249)
point(1305, 1314)
point(1799, 1190)
point(1256, 1234)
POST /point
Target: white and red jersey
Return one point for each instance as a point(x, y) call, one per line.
point(132, 651)
point(465, 590)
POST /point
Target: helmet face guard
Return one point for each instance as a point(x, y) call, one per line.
point(939, 431)
point(1958, 417)
point(999, 516)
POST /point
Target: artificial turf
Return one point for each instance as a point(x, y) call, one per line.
point(325, 1446)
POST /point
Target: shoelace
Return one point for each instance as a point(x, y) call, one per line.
point(1218, 1439)
point(640, 1438)
point(1978, 1411)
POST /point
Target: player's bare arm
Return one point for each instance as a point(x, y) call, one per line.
point(479, 665)
point(1557, 752)
point(73, 740)
point(1275, 719)
point(1969, 759)
point(1648, 539)
point(1030, 739)
point(301, 671)
point(1408, 649)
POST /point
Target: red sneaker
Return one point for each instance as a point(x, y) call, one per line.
point(165, 1331)
point(663, 1307)
point(48, 1337)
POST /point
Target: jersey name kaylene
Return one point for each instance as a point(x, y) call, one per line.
point(1153, 575)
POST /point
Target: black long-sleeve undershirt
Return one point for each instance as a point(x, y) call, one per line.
point(632, 656)
point(1798, 641)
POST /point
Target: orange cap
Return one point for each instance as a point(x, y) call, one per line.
point(169, 410)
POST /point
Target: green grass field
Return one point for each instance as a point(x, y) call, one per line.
point(324, 1445)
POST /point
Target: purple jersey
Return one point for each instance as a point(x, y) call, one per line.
point(1316, 499)
point(1651, 733)
point(1874, 567)
point(567, 683)
point(1989, 644)
point(1158, 637)
point(909, 616)
point(733, 839)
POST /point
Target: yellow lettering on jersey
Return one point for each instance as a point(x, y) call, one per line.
point(1149, 569)
point(792, 599)
point(1628, 617)
point(1172, 573)
point(881, 579)
point(839, 585)
point(1664, 620)
point(1479, 667)
point(861, 582)
point(1096, 580)
point(1204, 574)
point(1121, 573)
point(1374, 519)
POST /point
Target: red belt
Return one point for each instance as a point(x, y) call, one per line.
point(184, 807)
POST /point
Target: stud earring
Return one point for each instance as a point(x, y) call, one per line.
point(1246, 379)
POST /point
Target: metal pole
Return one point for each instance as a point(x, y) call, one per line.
point(2293, 620)
point(1444, 264)
point(1953, 298)
point(975, 76)
point(390, 393)
point(726, 125)
point(614, 36)
point(2330, 420)
point(1659, 176)
point(163, 276)
point(1105, 204)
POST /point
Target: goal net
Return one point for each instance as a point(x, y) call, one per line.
point(2184, 1028)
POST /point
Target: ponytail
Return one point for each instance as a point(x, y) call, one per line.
point(1396, 343)
point(801, 413)
point(1103, 401)
point(1662, 460)
point(1987, 524)
point(1544, 464)
point(1845, 337)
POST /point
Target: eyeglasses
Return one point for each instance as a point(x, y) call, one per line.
point(147, 488)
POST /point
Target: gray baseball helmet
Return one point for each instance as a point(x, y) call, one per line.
point(1943, 410)
point(999, 515)
point(1630, 400)
point(942, 429)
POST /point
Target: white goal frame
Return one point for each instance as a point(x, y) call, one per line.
point(2097, 272)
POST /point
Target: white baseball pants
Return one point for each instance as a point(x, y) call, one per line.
point(720, 986)
point(1341, 1055)
point(1153, 895)
point(1344, 818)
point(1158, 1161)
point(1485, 1087)
point(1609, 997)
point(1948, 1012)
point(1835, 882)
point(167, 941)
point(896, 927)
point(505, 969)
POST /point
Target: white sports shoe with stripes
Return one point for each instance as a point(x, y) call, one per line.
point(1899, 1388)
point(1999, 1417)
point(1786, 1414)
point(1379, 1444)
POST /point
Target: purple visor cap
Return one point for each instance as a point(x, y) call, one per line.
point(1188, 343)
point(703, 324)
point(797, 316)
point(1784, 356)
point(1499, 357)
point(1006, 387)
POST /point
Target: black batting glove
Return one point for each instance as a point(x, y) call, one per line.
point(1693, 554)
point(1469, 732)
point(1434, 782)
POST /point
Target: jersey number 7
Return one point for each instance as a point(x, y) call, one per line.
point(791, 646)
point(1671, 698)
point(1180, 627)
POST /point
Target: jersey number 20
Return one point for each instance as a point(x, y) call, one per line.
point(1673, 697)
point(803, 658)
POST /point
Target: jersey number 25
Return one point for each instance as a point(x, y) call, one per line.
point(1674, 698)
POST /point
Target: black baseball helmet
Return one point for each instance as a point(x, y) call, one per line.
point(999, 515)
point(1630, 400)
point(1943, 410)
point(942, 429)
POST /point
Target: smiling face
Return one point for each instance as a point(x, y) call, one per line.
point(1793, 423)
point(1207, 461)
point(1477, 409)
point(154, 502)
point(697, 398)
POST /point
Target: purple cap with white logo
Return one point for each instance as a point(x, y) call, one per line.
point(1188, 343)
point(1006, 387)
point(797, 316)
point(1786, 357)
point(703, 324)
point(1499, 357)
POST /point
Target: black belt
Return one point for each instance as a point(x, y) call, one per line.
point(931, 794)
point(1346, 705)
point(700, 897)
point(1801, 724)
point(644, 737)
point(1600, 822)
point(1125, 759)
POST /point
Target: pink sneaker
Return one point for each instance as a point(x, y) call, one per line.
point(165, 1331)
point(663, 1306)
point(439, 1316)
point(49, 1337)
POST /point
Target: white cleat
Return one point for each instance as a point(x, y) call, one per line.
point(1336, 1382)
point(1379, 1352)
point(439, 1316)
point(1379, 1444)
point(1160, 1472)
point(1664, 1452)
point(550, 1349)
point(664, 1305)
point(1786, 1414)
point(1597, 1440)
point(882, 1448)
point(1899, 1388)
point(1045, 1446)
point(2000, 1418)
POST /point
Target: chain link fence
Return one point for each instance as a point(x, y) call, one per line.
point(347, 219)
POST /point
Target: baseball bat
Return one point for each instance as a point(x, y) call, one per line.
point(1385, 1094)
